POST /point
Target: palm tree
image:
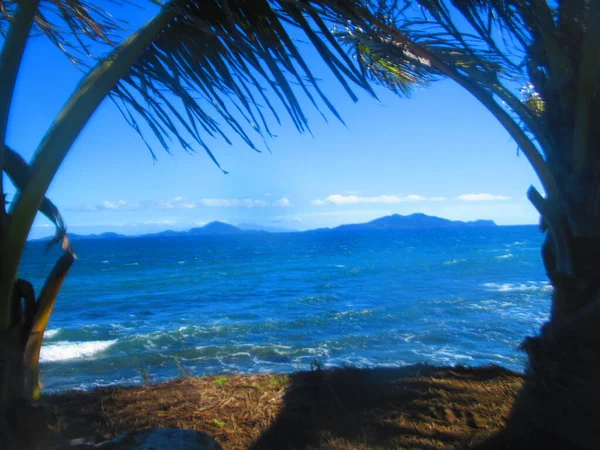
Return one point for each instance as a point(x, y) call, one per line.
point(535, 65)
point(196, 65)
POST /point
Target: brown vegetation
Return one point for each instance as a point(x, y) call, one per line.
point(417, 407)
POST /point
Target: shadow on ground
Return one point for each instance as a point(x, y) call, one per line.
point(418, 407)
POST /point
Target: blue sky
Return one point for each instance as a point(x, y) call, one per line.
point(439, 152)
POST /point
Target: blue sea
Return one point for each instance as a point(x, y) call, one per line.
point(279, 302)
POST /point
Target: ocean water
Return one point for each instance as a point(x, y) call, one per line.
point(278, 302)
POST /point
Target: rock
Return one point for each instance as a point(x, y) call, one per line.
point(156, 439)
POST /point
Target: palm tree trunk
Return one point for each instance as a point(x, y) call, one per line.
point(11, 362)
point(39, 322)
point(20, 347)
point(16, 354)
point(559, 404)
point(12, 376)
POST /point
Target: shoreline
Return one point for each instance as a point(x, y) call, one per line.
point(418, 406)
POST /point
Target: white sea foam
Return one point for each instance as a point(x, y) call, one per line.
point(507, 256)
point(408, 337)
point(66, 350)
point(522, 287)
point(353, 313)
point(105, 262)
point(444, 355)
point(180, 262)
point(131, 264)
point(49, 334)
point(317, 351)
point(454, 261)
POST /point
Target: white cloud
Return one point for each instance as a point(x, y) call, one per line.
point(438, 199)
point(283, 202)
point(176, 203)
point(481, 198)
point(182, 203)
point(231, 203)
point(415, 198)
point(119, 204)
point(338, 199)
point(160, 222)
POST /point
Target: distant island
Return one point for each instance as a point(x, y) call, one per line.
point(413, 222)
point(393, 222)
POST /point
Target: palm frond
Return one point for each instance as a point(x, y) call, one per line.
point(18, 171)
point(72, 25)
point(389, 63)
point(404, 43)
point(207, 71)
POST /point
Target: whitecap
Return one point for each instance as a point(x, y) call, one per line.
point(498, 356)
point(510, 287)
point(318, 351)
point(67, 350)
point(408, 337)
point(180, 262)
point(454, 261)
point(452, 354)
point(282, 350)
point(105, 261)
point(49, 334)
point(131, 264)
point(353, 312)
point(507, 256)
point(443, 355)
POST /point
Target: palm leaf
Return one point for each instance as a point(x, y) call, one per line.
point(387, 62)
point(72, 25)
point(205, 73)
point(18, 171)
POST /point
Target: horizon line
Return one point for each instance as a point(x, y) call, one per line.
point(265, 228)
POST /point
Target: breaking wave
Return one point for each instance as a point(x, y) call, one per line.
point(65, 351)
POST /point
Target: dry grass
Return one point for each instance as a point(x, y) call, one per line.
point(419, 407)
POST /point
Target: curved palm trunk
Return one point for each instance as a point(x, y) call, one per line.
point(559, 404)
point(20, 347)
point(11, 332)
point(20, 338)
point(44, 306)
